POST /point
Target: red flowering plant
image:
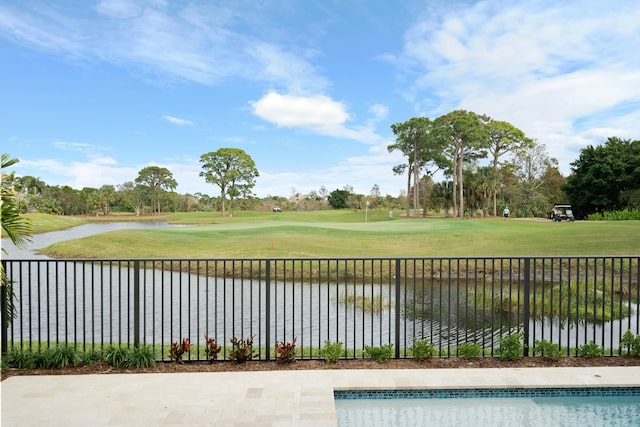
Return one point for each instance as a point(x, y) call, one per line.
point(211, 348)
point(286, 351)
point(242, 350)
point(177, 350)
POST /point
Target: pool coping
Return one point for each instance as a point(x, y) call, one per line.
point(256, 398)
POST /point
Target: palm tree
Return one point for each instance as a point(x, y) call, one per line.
point(15, 226)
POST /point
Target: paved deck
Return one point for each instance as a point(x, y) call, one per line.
point(234, 399)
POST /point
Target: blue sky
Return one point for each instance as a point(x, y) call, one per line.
point(92, 92)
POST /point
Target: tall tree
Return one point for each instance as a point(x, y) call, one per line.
point(602, 174)
point(465, 137)
point(530, 167)
point(104, 197)
point(338, 199)
point(553, 181)
point(414, 141)
point(504, 138)
point(31, 189)
point(157, 179)
point(232, 170)
point(442, 196)
point(132, 195)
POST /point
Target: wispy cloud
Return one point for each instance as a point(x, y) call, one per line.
point(541, 65)
point(177, 120)
point(194, 42)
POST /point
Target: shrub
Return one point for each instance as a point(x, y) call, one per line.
point(41, 359)
point(142, 357)
point(379, 354)
point(547, 349)
point(286, 351)
point(63, 356)
point(20, 359)
point(211, 348)
point(468, 350)
point(631, 343)
point(331, 351)
point(178, 349)
point(422, 349)
point(90, 357)
point(116, 356)
point(510, 347)
point(242, 350)
point(590, 350)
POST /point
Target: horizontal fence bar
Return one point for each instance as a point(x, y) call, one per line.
point(451, 302)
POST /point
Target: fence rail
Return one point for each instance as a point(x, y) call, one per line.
point(360, 302)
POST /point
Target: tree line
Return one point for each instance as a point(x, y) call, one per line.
point(487, 165)
point(490, 164)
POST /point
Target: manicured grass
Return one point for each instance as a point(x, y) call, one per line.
point(345, 234)
point(43, 223)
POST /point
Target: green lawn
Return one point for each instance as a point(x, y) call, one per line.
point(344, 233)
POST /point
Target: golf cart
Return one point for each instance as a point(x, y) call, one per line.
point(562, 213)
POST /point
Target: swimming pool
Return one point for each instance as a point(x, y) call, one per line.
point(584, 406)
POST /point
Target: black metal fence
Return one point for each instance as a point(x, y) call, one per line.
point(359, 302)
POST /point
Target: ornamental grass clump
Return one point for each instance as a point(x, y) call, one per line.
point(143, 356)
point(286, 351)
point(177, 350)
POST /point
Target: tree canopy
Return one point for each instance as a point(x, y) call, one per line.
point(232, 170)
point(338, 199)
point(414, 140)
point(465, 138)
point(156, 179)
point(605, 177)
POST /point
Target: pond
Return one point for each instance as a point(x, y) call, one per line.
point(92, 302)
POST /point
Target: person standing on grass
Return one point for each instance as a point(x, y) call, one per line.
point(505, 213)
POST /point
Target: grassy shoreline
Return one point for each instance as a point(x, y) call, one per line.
point(341, 233)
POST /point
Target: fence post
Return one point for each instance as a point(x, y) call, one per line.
point(397, 312)
point(525, 313)
point(136, 303)
point(268, 311)
point(4, 309)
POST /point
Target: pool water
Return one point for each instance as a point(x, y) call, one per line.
point(584, 407)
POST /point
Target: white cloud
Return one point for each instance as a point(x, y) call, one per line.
point(318, 113)
point(379, 112)
point(543, 66)
point(95, 172)
point(293, 111)
point(197, 42)
point(177, 120)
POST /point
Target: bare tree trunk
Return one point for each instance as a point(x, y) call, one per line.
point(455, 183)
point(408, 190)
point(461, 188)
point(416, 178)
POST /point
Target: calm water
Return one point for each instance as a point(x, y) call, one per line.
point(584, 411)
point(93, 305)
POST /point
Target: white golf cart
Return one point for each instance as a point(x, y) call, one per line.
point(562, 213)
